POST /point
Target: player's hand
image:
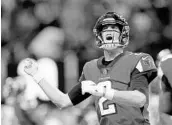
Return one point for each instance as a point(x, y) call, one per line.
point(90, 87)
point(99, 91)
point(105, 89)
point(87, 86)
point(30, 66)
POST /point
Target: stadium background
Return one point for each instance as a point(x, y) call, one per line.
point(58, 34)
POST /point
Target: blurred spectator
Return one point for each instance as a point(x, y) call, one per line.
point(155, 90)
point(71, 70)
point(48, 43)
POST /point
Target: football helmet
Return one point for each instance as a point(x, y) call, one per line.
point(112, 18)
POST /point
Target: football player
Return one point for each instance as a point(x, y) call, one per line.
point(118, 80)
point(160, 91)
point(165, 99)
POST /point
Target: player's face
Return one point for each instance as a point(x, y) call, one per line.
point(111, 34)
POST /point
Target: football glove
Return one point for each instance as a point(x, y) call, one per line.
point(106, 87)
point(31, 68)
point(90, 87)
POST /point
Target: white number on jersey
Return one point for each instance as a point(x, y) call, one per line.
point(111, 108)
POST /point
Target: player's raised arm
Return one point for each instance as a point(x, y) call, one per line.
point(56, 96)
point(62, 100)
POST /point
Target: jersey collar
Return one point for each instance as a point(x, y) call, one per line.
point(100, 64)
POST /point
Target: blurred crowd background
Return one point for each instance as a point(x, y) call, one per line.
point(58, 34)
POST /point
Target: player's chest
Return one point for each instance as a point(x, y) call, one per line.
point(119, 75)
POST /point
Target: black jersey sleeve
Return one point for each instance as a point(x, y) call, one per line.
point(143, 73)
point(140, 80)
point(75, 94)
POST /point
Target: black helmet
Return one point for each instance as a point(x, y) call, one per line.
point(114, 19)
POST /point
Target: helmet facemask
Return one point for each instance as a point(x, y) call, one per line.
point(110, 37)
point(117, 39)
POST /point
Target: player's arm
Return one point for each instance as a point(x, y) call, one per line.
point(125, 97)
point(129, 98)
point(62, 100)
point(144, 72)
point(59, 98)
point(136, 96)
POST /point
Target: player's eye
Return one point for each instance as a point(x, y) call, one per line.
point(113, 26)
point(105, 27)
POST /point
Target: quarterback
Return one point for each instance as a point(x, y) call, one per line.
point(119, 80)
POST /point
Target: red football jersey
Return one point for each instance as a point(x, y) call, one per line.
point(119, 72)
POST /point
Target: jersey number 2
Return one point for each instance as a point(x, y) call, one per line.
point(110, 108)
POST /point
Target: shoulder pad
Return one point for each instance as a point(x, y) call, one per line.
point(90, 64)
point(145, 63)
point(89, 69)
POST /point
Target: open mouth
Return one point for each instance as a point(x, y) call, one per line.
point(108, 37)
